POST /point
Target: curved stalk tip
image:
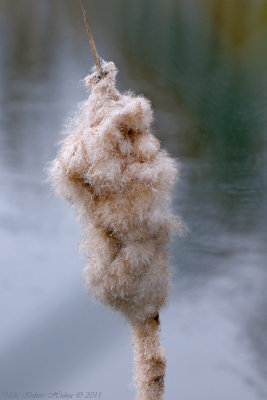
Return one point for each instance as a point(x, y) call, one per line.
point(91, 39)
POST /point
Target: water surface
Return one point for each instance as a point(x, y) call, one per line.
point(209, 103)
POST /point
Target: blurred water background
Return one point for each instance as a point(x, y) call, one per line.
point(203, 64)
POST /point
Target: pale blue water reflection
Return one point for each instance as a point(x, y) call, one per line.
point(214, 330)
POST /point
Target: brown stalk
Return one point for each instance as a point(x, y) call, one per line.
point(91, 39)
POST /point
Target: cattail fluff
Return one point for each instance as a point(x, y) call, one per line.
point(111, 168)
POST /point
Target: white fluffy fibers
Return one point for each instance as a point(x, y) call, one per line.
point(111, 168)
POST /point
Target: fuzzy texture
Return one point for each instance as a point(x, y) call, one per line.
point(150, 359)
point(111, 168)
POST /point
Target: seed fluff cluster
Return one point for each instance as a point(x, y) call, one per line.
point(112, 169)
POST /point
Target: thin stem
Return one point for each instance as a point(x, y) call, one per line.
point(91, 39)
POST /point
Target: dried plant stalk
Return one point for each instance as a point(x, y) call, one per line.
point(112, 169)
point(150, 359)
